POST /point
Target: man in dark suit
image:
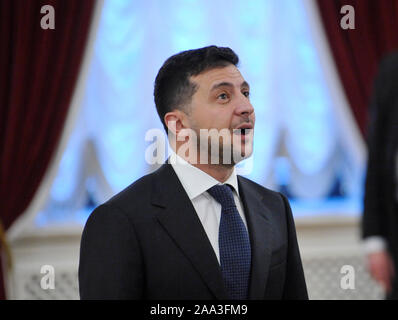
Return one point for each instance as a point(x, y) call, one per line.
point(194, 229)
point(380, 219)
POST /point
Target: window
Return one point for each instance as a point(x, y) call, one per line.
point(300, 144)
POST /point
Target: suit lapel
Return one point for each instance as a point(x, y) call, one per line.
point(180, 220)
point(260, 232)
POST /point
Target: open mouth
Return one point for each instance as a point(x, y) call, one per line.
point(242, 131)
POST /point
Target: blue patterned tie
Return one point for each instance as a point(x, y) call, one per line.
point(234, 244)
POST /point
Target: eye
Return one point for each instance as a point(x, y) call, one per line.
point(222, 96)
point(246, 94)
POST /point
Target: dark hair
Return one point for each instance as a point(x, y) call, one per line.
point(173, 89)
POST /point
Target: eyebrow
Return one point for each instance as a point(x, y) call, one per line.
point(228, 84)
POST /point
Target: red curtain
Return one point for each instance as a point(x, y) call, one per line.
point(357, 52)
point(39, 68)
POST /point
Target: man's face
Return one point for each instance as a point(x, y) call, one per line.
point(222, 102)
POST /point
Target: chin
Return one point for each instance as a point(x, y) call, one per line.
point(239, 155)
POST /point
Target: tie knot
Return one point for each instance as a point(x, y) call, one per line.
point(223, 194)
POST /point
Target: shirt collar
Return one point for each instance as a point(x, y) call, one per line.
point(196, 181)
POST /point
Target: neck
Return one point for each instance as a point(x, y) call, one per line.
point(217, 171)
point(220, 172)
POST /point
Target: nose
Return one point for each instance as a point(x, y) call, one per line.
point(244, 107)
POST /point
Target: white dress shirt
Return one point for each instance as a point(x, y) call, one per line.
point(196, 183)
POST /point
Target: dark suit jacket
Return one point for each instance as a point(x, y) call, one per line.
point(381, 210)
point(147, 242)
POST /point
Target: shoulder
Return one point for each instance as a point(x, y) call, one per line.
point(270, 196)
point(133, 201)
point(277, 205)
point(254, 186)
point(138, 190)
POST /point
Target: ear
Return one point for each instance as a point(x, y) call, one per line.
point(175, 121)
